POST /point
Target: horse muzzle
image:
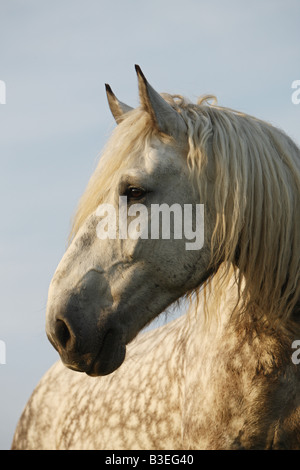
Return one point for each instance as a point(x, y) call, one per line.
point(70, 346)
point(86, 336)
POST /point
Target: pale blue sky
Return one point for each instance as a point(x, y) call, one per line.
point(55, 57)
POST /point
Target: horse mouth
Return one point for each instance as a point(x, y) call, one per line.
point(110, 356)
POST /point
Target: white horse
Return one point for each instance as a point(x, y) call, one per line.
point(221, 376)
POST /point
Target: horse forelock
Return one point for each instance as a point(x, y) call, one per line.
point(124, 147)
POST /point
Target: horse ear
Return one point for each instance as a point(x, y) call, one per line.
point(166, 118)
point(117, 108)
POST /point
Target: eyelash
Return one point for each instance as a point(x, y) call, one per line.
point(139, 193)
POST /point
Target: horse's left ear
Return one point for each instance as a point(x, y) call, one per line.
point(166, 118)
point(117, 108)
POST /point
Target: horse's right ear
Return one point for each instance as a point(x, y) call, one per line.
point(166, 118)
point(117, 108)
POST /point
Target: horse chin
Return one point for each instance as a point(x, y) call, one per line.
point(110, 357)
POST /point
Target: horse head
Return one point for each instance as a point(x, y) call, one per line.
point(108, 285)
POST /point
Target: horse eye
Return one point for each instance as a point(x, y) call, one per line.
point(135, 193)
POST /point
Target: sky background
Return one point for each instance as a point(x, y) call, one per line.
point(55, 57)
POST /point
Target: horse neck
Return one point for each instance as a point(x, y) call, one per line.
point(236, 373)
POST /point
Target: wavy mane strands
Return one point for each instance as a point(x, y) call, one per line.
point(257, 199)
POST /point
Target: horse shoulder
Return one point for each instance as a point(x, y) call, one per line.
point(137, 406)
point(37, 420)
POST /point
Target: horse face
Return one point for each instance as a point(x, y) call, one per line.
point(105, 291)
point(108, 287)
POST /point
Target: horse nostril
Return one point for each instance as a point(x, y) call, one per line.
point(62, 333)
